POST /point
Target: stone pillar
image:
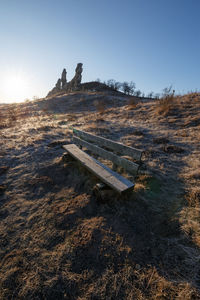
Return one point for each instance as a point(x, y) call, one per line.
point(63, 78)
point(58, 84)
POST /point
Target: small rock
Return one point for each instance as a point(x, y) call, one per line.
point(3, 169)
point(137, 266)
point(2, 189)
point(62, 122)
point(161, 140)
point(172, 149)
point(138, 133)
point(56, 143)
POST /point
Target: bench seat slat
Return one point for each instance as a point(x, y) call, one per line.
point(111, 178)
point(114, 146)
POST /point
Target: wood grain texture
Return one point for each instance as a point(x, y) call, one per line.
point(114, 146)
point(117, 160)
point(114, 180)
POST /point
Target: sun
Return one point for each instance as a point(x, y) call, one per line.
point(15, 87)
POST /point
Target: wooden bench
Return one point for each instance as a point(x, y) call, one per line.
point(100, 146)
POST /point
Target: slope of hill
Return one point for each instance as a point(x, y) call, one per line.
point(57, 241)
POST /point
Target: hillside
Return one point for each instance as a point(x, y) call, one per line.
point(58, 242)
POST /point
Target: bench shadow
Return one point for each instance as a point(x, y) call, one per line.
point(147, 223)
point(153, 238)
point(148, 229)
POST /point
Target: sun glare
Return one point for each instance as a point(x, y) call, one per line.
point(15, 87)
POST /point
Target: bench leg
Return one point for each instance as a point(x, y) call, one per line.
point(102, 192)
point(114, 167)
point(67, 158)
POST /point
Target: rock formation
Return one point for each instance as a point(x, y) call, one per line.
point(63, 78)
point(56, 89)
point(74, 84)
point(63, 87)
point(58, 84)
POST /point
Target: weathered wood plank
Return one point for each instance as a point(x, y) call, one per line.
point(122, 162)
point(114, 180)
point(103, 142)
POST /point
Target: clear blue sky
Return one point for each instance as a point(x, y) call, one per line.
point(155, 43)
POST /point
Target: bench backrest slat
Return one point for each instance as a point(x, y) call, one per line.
point(120, 161)
point(114, 146)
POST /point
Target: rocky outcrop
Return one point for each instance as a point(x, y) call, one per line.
point(63, 87)
point(75, 83)
point(63, 78)
point(56, 89)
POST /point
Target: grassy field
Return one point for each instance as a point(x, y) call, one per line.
point(58, 242)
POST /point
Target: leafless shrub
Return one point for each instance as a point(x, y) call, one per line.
point(132, 103)
point(71, 117)
point(12, 117)
point(2, 120)
point(167, 102)
point(100, 107)
point(165, 105)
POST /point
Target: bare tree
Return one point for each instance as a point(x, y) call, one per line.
point(137, 93)
point(168, 91)
point(125, 87)
point(150, 95)
point(157, 96)
point(111, 83)
point(131, 88)
point(117, 85)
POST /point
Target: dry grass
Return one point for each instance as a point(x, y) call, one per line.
point(132, 102)
point(193, 197)
point(58, 242)
point(8, 119)
point(10, 115)
point(100, 106)
point(165, 105)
